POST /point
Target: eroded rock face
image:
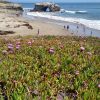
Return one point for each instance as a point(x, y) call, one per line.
point(43, 7)
point(10, 6)
point(14, 7)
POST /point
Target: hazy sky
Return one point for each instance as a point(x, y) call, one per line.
point(56, 0)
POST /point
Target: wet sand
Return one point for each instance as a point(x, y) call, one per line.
point(76, 29)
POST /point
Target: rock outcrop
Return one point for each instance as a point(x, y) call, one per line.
point(14, 7)
point(10, 6)
point(43, 7)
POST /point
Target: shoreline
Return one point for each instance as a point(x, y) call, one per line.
point(73, 26)
point(49, 26)
point(73, 23)
point(87, 22)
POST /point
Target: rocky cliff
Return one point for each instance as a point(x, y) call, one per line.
point(10, 6)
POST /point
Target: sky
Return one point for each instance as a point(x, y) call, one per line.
point(56, 0)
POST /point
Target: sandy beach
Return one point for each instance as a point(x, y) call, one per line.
point(22, 26)
point(14, 25)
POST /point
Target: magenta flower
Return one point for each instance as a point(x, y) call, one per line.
point(82, 48)
point(10, 46)
point(18, 43)
point(51, 50)
point(29, 43)
point(18, 47)
point(14, 81)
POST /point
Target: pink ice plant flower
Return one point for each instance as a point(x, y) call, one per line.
point(18, 47)
point(51, 50)
point(82, 48)
point(18, 43)
point(10, 46)
point(29, 43)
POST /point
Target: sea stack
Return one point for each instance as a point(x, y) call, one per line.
point(46, 6)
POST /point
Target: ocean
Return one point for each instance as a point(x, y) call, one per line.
point(87, 14)
point(89, 11)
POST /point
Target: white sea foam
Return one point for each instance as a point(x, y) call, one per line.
point(89, 23)
point(81, 12)
point(73, 11)
point(67, 11)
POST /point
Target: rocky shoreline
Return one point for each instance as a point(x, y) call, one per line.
point(10, 7)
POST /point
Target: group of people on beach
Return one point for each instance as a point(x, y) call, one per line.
point(78, 28)
point(68, 28)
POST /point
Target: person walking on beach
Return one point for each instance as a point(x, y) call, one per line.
point(64, 26)
point(67, 27)
point(84, 29)
point(38, 32)
point(91, 33)
point(77, 28)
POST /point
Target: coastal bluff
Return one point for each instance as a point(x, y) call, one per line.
point(5, 5)
point(46, 6)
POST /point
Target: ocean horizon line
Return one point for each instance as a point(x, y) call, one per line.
point(62, 2)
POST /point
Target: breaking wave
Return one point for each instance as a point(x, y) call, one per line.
point(73, 12)
point(95, 24)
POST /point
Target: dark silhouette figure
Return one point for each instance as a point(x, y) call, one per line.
point(77, 27)
point(38, 31)
point(67, 27)
point(91, 33)
point(64, 26)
